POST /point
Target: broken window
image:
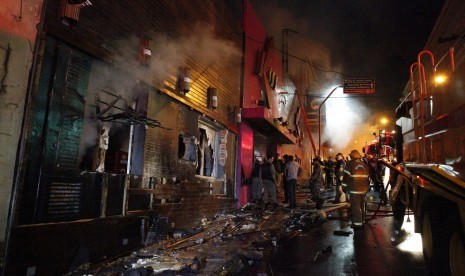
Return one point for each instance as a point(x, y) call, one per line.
point(211, 150)
point(187, 147)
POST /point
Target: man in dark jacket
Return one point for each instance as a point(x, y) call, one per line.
point(339, 171)
point(316, 183)
point(269, 182)
point(356, 181)
point(290, 172)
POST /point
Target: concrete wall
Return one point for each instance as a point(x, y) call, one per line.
point(17, 41)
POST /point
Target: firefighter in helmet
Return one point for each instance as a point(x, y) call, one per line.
point(339, 172)
point(356, 181)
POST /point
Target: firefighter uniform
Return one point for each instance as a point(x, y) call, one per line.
point(356, 181)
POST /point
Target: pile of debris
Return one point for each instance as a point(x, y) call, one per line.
point(227, 244)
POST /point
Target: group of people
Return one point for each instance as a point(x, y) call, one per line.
point(269, 174)
point(327, 174)
point(351, 177)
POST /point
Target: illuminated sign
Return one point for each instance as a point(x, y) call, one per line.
point(359, 86)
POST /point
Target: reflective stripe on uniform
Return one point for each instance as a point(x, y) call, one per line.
point(358, 175)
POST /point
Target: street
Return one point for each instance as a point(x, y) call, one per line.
point(366, 251)
point(285, 242)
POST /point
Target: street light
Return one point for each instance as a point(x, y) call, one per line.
point(440, 79)
point(319, 119)
point(384, 121)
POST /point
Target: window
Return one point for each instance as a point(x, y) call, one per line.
point(211, 150)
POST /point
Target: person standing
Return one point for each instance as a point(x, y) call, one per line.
point(339, 171)
point(290, 171)
point(278, 167)
point(316, 182)
point(355, 178)
point(285, 190)
point(257, 180)
point(269, 182)
point(330, 176)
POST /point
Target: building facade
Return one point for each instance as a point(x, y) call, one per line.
point(114, 112)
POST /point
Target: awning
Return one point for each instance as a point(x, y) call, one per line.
point(259, 119)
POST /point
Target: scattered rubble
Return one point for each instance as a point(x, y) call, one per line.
point(228, 243)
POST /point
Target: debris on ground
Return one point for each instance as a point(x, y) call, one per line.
point(229, 243)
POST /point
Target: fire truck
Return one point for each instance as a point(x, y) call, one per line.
point(383, 144)
point(431, 125)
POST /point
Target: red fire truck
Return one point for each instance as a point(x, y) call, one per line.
point(383, 144)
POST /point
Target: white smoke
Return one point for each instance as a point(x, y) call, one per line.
point(346, 120)
point(125, 73)
point(170, 53)
point(350, 122)
point(313, 68)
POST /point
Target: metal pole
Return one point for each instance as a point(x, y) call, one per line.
point(319, 119)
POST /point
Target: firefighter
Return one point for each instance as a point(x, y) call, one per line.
point(357, 183)
point(330, 176)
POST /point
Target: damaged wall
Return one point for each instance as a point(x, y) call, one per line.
point(111, 36)
point(18, 30)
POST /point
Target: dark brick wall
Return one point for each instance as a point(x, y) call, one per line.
point(161, 161)
point(161, 146)
point(99, 31)
point(110, 30)
point(188, 213)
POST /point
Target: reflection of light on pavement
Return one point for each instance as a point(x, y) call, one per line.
point(412, 242)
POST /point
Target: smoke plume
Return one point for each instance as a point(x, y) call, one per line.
point(125, 73)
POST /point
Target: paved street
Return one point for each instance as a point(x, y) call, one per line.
point(366, 251)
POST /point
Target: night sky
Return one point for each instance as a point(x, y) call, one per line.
point(359, 38)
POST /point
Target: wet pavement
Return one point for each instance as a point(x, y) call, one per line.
point(366, 251)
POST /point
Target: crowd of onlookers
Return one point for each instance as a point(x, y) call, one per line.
point(273, 173)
